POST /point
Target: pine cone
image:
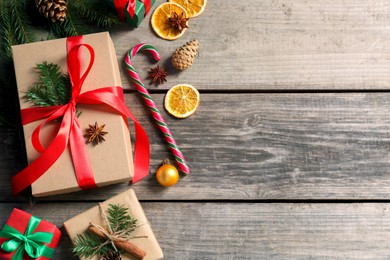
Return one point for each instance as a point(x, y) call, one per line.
point(185, 55)
point(111, 255)
point(52, 9)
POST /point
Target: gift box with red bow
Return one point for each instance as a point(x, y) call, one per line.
point(142, 236)
point(27, 237)
point(132, 11)
point(60, 157)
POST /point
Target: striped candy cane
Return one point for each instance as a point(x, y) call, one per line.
point(152, 106)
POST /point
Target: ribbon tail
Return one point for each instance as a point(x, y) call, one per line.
point(39, 166)
point(35, 140)
point(141, 147)
point(81, 162)
point(141, 153)
point(18, 254)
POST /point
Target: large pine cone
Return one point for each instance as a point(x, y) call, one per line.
point(185, 55)
point(52, 9)
point(111, 255)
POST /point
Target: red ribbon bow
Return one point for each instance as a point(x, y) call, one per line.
point(70, 131)
point(120, 6)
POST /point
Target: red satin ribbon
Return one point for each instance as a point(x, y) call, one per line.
point(120, 6)
point(147, 5)
point(70, 132)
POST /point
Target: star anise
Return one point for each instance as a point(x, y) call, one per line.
point(178, 21)
point(158, 75)
point(95, 134)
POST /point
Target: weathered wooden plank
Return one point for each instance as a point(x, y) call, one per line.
point(277, 44)
point(249, 231)
point(12, 158)
point(266, 146)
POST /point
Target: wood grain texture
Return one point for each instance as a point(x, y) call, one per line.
point(249, 231)
point(276, 45)
point(267, 146)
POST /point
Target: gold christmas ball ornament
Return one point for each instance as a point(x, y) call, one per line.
point(184, 57)
point(167, 174)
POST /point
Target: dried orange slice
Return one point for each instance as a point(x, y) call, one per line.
point(182, 100)
point(161, 24)
point(193, 7)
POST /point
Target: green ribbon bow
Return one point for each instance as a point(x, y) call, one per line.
point(30, 243)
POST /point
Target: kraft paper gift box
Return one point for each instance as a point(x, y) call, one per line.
point(144, 237)
point(21, 223)
point(111, 160)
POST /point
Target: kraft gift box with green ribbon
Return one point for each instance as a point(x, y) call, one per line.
point(27, 237)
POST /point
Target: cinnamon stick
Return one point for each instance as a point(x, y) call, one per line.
point(126, 246)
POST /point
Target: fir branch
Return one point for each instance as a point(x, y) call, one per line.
point(72, 26)
point(96, 13)
point(15, 26)
point(120, 220)
point(21, 22)
point(50, 74)
point(7, 38)
point(38, 95)
point(53, 87)
point(89, 245)
point(63, 89)
point(51, 35)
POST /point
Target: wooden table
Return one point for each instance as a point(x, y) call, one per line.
point(289, 149)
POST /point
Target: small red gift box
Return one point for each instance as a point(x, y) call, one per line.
point(22, 232)
point(133, 12)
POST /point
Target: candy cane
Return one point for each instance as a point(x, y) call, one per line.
point(152, 106)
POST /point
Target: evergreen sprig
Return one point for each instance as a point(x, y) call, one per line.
point(52, 89)
point(89, 244)
point(15, 25)
point(19, 16)
point(6, 35)
point(120, 220)
point(96, 13)
point(72, 26)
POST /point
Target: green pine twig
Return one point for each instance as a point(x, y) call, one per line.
point(96, 12)
point(120, 220)
point(52, 89)
point(15, 25)
point(89, 244)
point(6, 35)
point(72, 26)
point(21, 21)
